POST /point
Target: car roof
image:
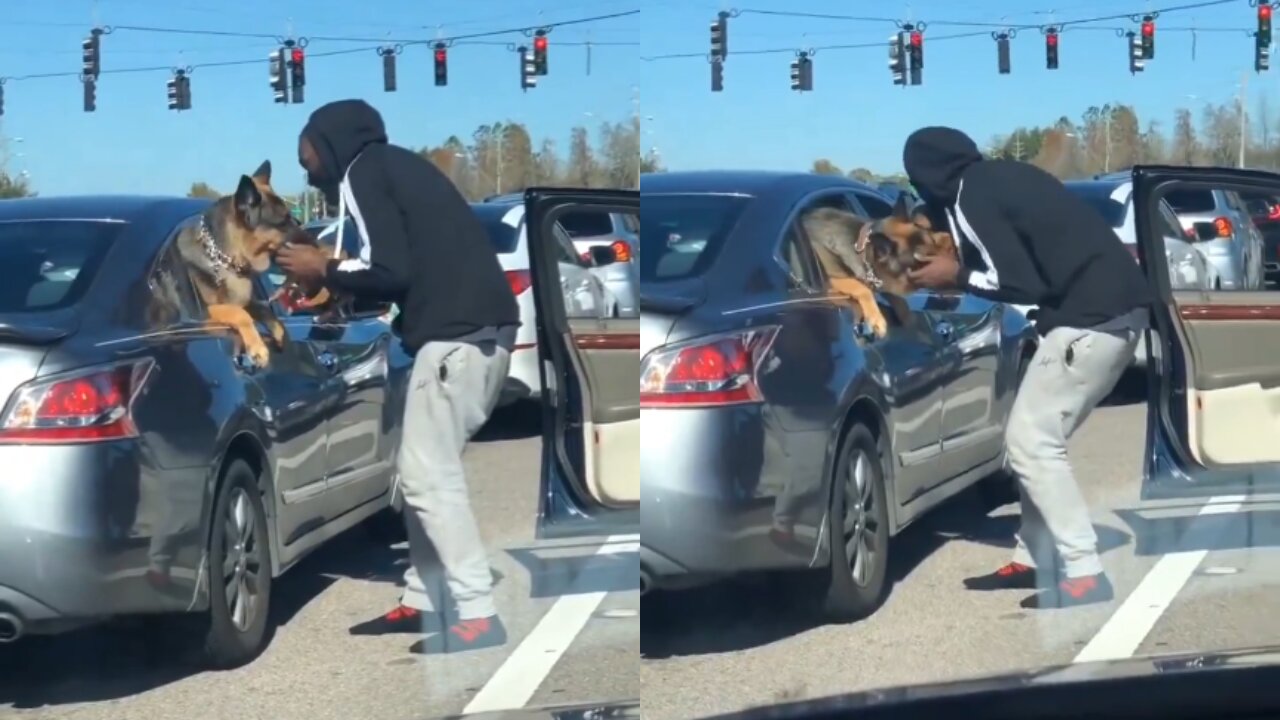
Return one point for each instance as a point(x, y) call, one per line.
point(127, 208)
point(1099, 183)
point(745, 182)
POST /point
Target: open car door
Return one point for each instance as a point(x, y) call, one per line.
point(590, 380)
point(1214, 403)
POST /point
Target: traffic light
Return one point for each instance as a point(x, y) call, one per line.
point(442, 65)
point(1002, 53)
point(717, 75)
point(1261, 54)
point(1136, 53)
point(297, 72)
point(802, 73)
point(540, 51)
point(720, 37)
point(1264, 23)
point(279, 83)
point(528, 69)
point(180, 91)
point(388, 68)
point(1051, 48)
point(898, 59)
point(916, 54)
point(92, 47)
point(90, 94)
point(1148, 37)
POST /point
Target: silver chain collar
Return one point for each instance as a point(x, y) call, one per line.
point(217, 258)
point(868, 274)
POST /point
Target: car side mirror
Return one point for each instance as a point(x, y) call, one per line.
point(1204, 231)
point(602, 255)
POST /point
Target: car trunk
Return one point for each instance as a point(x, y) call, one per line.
point(25, 340)
point(661, 304)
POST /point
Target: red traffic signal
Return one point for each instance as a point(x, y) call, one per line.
point(917, 38)
point(441, 56)
point(1051, 39)
point(1264, 12)
point(540, 43)
point(297, 55)
point(1148, 28)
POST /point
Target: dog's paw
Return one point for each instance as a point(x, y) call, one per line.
point(258, 353)
point(878, 324)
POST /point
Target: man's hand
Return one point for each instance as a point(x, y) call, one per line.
point(305, 263)
point(940, 272)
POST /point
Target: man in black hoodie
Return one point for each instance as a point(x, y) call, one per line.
point(424, 249)
point(1027, 240)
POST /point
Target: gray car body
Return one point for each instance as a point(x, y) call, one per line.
point(714, 478)
point(80, 523)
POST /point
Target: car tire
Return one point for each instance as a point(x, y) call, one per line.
point(239, 598)
point(859, 529)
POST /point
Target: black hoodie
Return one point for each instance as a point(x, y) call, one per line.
point(422, 246)
point(1025, 238)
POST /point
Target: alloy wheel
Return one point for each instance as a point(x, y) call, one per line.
point(241, 561)
point(861, 526)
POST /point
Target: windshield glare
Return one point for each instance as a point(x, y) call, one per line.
point(682, 235)
point(49, 265)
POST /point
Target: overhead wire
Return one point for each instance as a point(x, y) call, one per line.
point(462, 39)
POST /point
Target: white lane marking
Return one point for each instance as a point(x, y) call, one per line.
point(514, 683)
point(1122, 634)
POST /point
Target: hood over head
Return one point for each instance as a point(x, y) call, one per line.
point(339, 131)
point(935, 158)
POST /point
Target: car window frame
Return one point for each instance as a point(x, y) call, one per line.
point(809, 257)
point(858, 195)
point(162, 254)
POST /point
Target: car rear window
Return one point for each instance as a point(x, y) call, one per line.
point(1191, 201)
point(586, 224)
point(1098, 197)
point(681, 235)
point(49, 264)
point(502, 236)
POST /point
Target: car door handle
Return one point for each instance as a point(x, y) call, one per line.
point(328, 360)
point(944, 329)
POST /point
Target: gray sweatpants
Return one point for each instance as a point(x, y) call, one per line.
point(452, 391)
point(1073, 370)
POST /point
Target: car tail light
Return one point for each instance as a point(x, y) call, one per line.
point(520, 281)
point(710, 372)
point(1223, 227)
point(622, 250)
point(87, 406)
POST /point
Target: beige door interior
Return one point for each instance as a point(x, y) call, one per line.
point(608, 357)
point(1232, 342)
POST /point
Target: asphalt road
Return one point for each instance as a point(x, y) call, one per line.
point(1196, 583)
point(571, 611)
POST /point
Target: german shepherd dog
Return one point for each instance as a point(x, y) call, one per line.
point(861, 256)
point(233, 242)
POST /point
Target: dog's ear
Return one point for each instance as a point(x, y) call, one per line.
point(900, 209)
point(248, 196)
point(921, 218)
point(263, 173)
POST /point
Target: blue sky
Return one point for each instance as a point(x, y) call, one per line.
point(857, 117)
point(133, 143)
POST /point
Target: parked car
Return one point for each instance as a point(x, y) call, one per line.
point(777, 434)
point(616, 230)
point(1265, 211)
point(152, 468)
point(1212, 414)
point(1221, 226)
point(1188, 269)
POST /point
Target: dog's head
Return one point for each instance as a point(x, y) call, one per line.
point(899, 243)
point(262, 221)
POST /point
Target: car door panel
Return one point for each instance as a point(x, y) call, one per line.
point(590, 366)
point(1217, 401)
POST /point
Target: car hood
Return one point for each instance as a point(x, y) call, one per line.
point(615, 710)
point(1057, 674)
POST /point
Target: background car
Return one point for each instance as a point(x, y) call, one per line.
point(616, 230)
point(585, 295)
point(155, 469)
point(1112, 198)
point(1265, 211)
point(1221, 226)
point(777, 435)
